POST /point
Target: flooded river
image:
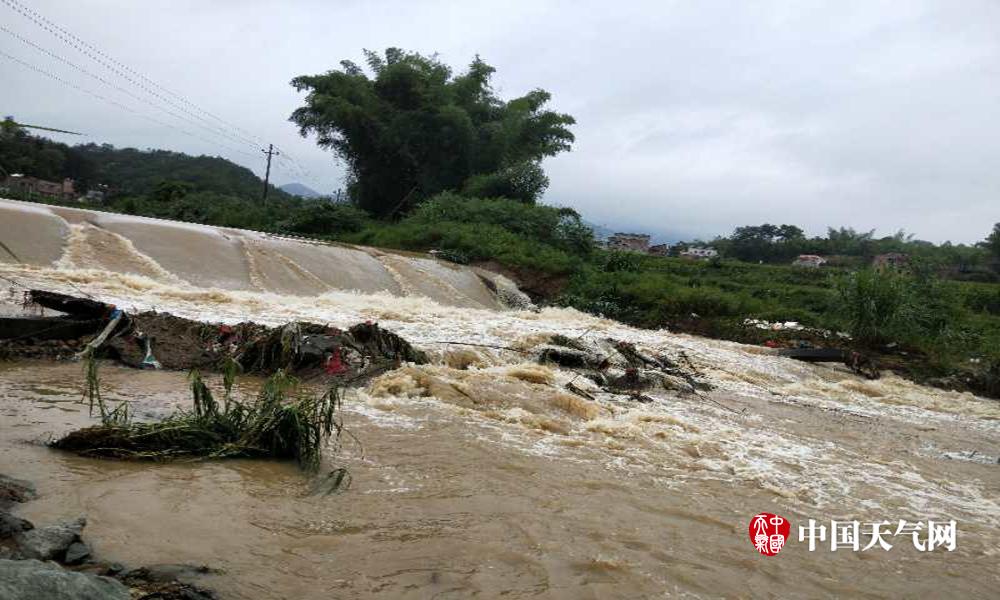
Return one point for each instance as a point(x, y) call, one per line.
point(479, 476)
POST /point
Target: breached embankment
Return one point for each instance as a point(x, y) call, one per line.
point(482, 474)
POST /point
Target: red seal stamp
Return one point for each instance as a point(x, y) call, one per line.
point(768, 533)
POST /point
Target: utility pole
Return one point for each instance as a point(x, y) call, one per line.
point(267, 174)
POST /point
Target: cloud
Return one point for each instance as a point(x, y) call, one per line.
point(693, 117)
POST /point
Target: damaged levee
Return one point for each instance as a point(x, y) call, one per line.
point(285, 420)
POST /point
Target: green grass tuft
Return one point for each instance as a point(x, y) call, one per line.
point(284, 422)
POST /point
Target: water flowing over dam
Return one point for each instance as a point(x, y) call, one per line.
point(478, 474)
point(199, 256)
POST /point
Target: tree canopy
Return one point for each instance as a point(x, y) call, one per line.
point(992, 242)
point(413, 129)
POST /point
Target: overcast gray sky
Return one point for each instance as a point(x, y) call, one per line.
point(693, 117)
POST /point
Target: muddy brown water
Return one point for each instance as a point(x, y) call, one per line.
point(481, 476)
point(444, 505)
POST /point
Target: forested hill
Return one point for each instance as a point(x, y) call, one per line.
point(126, 171)
point(138, 172)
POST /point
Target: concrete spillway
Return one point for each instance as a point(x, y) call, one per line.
point(205, 257)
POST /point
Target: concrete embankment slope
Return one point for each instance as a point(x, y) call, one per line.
point(202, 256)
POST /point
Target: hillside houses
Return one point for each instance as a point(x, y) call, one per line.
point(659, 250)
point(629, 242)
point(25, 185)
point(809, 260)
point(639, 243)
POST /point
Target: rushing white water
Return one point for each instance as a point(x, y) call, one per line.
point(197, 256)
point(814, 441)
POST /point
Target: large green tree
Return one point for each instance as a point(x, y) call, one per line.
point(410, 128)
point(993, 241)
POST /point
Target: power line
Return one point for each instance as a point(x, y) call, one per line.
point(31, 14)
point(91, 52)
point(230, 131)
point(110, 100)
point(107, 83)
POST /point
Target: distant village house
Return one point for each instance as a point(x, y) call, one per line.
point(630, 242)
point(659, 249)
point(699, 253)
point(95, 196)
point(29, 186)
point(809, 260)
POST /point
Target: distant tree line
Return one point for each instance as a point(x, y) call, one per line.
point(781, 244)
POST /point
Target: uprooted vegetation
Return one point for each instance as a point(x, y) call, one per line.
point(285, 421)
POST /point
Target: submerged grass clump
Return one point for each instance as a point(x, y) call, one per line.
point(284, 422)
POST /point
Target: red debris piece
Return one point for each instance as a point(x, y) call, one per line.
point(334, 364)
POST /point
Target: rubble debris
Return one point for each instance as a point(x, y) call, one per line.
point(47, 328)
point(815, 354)
point(161, 340)
point(619, 367)
point(860, 363)
point(81, 308)
point(579, 391)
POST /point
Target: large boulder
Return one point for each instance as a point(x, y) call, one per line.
point(33, 580)
point(51, 542)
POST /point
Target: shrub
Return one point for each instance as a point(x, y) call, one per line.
point(876, 305)
point(558, 227)
point(326, 220)
point(524, 182)
point(982, 298)
point(617, 261)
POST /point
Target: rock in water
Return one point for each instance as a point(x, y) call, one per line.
point(34, 580)
point(166, 573)
point(11, 525)
point(51, 542)
point(15, 490)
point(77, 553)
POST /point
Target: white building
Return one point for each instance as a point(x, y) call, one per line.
point(700, 253)
point(809, 260)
